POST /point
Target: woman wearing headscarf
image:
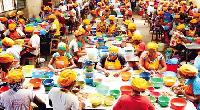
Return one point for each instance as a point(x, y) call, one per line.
point(151, 59)
point(8, 44)
point(135, 100)
point(132, 31)
point(62, 59)
point(112, 29)
point(12, 17)
point(62, 98)
point(190, 87)
point(17, 98)
point(101, 26)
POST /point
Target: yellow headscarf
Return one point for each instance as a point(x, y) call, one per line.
point(113, 49)
point(93, 11)
point(12, 14)
point(152, 45)
point(139, 84)
point(86, 21)
point(3, 19)
point(20, 13)
point(188, 70)
point(46, 8)
point(111, 17)
point(107, 7)
point(29, 29)
point(77, 33)
point(181, 26)
point(177, 16)
point(131, 26)
point(6, 58)
point(99, 3)
point(196, 15)
point(15, 76)
point(62, 46)
point(52, 16)
point(67, 77)
point(137, 37)
point(194, 21)
point(128, 5)
point(81, 30)
point(127, 22)
point(57, 13)
point(8, 42)
point(12, 26)
point(21, 21)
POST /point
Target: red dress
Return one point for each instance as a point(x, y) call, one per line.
point(129, 102)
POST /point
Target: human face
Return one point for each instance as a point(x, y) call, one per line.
point(132, 30)
point(112, 57)
point(79, 37)
point(111, 22)
point(61, 52)
point(152, 52)
point(29, 34)
point(136, 42)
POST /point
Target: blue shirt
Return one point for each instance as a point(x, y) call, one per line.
point(197, 64)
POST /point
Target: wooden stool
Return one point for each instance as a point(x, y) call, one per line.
point(174, 51)
point(28, 58)
point(51, 44)
point(159, 36)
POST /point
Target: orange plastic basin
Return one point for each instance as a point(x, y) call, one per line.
point(126, 90)
point(36, 82)
point(125, 76)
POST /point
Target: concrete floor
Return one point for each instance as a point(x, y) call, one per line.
point(144, 30)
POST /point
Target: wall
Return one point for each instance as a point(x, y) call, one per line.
point(197, 2)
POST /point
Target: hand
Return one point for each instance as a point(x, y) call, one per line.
point(153, 72)
point(158, 72)
point(117, 74)
point(82, 104)
point(179, 92)
point(23, 45)
point(106, 73)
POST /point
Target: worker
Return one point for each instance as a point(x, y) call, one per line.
point(107, 12)
point(151, 59)
point(192, 29)
point(84, 23)
point(113, 61)
point(62, 59)
point(13, 33)
point(62, 98)
point(62, 23)
point(6, 62)
point(92, 17)
point(132, 30)
point(74, 50)
point(98, 9)
point(20, 16)
point(12, 17)
point(3, 23)
point(135, 100)
point(17, 98)
point(190, 87)
point(8, 44)
point(55, 28)
point(45, 14)
point(112, 29)
point(32, 49)
point(101, 26)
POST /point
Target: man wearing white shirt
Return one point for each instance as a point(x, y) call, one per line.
point(62, 7)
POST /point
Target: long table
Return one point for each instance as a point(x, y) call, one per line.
point(114, 84)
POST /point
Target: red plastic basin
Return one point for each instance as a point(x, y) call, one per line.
point(155, 94)
point(3, 89)
point(126, 90)
point(151, 89)
point(178, 103)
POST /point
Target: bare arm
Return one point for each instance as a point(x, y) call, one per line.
point(39, 103)
point(164, 66)
point(73, 64)
point(141, 65)
point(81, 54)
point(50, 65)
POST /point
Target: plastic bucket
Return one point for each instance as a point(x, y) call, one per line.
point(171, 67)
point(161, 47)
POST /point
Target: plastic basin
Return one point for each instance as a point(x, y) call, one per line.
point(158, 75)
point(28, 70)
point(43, 32)
point(97, 81)
point(95, 99)
point(48, 84)
point(190, 38)
point(3, 89)
point(151, 89)
point(89, 69)
point(108, 100)
point(157, 82)
point(197, 41)
point(163, 101)
point(36, 82)
point(19, 41)
point(81, 84)
point(102, 89)
point(125, 76)
point(88, 80)
point(170, 74)
point(174, 60)
point(178, 103)
point(169, 81)
point(104, 47)
point(26, 39)
point(126, 90)
point(145, 75)
point(45, 69)
point(76, 89)
point(89, 74)
point(43, 77)
point(155, 94)
point(115, 93)
point(138, 71)
point(50, 74)
point(38, 74)
point(153, 99)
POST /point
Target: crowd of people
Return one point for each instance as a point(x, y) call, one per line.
point(110, 19)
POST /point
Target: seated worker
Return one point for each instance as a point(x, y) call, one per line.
point(125, 26)
point(112, 29)
point(32, 49)
point(197, 63)
point(21, 24)
point(151, 59)
point(113, 61)
point(135, 100)
point(62, 98)
point(101, 26)
point(85, 22)
point(74, 50)
point(6, 63)
point(107, 12)
point(12, 17)
point(8, 44)
point(130, 16)
point(92, 16)
point(3, 22)
point(132, 30)
point(45, 14)
point(85, 39)
point(177, 38)
point(13, 33)
point(55, 28)
point(192, 29)
point(17, 98)
point(62, 59)
point(190, 87)
point(20, 16)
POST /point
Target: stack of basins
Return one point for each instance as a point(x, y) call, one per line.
point(89, 71)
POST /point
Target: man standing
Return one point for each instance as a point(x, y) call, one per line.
point(133, 4)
